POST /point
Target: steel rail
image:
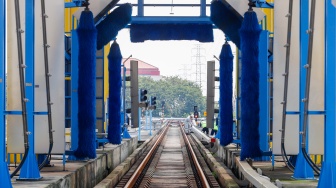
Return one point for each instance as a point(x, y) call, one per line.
point(139, 170)
point(200, 172)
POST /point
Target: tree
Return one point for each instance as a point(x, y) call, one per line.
point(180, 95)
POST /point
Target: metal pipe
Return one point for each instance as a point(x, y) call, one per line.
point(19, 31)
point(47, 80)
point(286, 75)
point(308, 66)
point(105, 10)
point(124, 87)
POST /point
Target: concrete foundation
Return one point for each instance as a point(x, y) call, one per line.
point(83, 174)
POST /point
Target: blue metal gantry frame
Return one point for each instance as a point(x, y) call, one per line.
point(74, 3)
point(139, 18)
point(74, 92)
point(264, 94)
point(302, 168)
point(327, 176)
point(100, 82)
point(30, 170)
point(4, 178)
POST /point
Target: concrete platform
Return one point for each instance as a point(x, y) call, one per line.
point(86, 174)
point(281, 176)
point(82, 173)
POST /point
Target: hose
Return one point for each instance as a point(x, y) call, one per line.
point(284, 101)
point(22, 86)
point(308, 66)
point(47, 80)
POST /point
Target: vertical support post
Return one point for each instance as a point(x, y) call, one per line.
point(124, 91)
point(327, 176)
point(140, 7)
point(139, 117)
point(146, 119)
point(210, 94)
point(5, 178)
point(134, 94)
point(150, 122)
point(30, 170)
point(74, 92)
point(263, 93)
point(238, 99)
point(302, 168)
point(203, 8)
point(125, 132)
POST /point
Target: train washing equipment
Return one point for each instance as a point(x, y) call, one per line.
point(296, 111)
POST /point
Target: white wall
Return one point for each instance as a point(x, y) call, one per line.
point(55, 34)
point(316, 103)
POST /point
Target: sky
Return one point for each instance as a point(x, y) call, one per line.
point(170, 56)
point(175, 58)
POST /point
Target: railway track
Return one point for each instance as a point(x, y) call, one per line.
point(170, 162)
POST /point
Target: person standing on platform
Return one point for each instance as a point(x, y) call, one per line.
point(188, 124)
point(214, 130)
point(205, 129)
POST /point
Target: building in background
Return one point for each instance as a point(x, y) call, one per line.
point(145, 69)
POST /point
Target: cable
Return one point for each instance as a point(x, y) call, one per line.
point(308, 66)
point(288, 164)
point(47, 80)
point(285, 94)
point(22, 87)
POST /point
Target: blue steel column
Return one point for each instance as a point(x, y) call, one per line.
point(125, 133)
point(139, 118)
point(327, 176)
point(203, 8)
point(263, 93)
point(74, 92)
point(140, 7)
point(302, 169)
point(4, 178)
point(30, 170)
point(150, 117)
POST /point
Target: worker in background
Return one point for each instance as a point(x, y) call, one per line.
point(188, 124)
point(214, 130)
point(205, 129)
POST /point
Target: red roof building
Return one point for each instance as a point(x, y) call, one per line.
point(144, 68)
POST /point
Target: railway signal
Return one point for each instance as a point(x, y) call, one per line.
point(195, 112)
point(196, 115)
point(143, 103)
point(152, 103)
point(143, 95)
